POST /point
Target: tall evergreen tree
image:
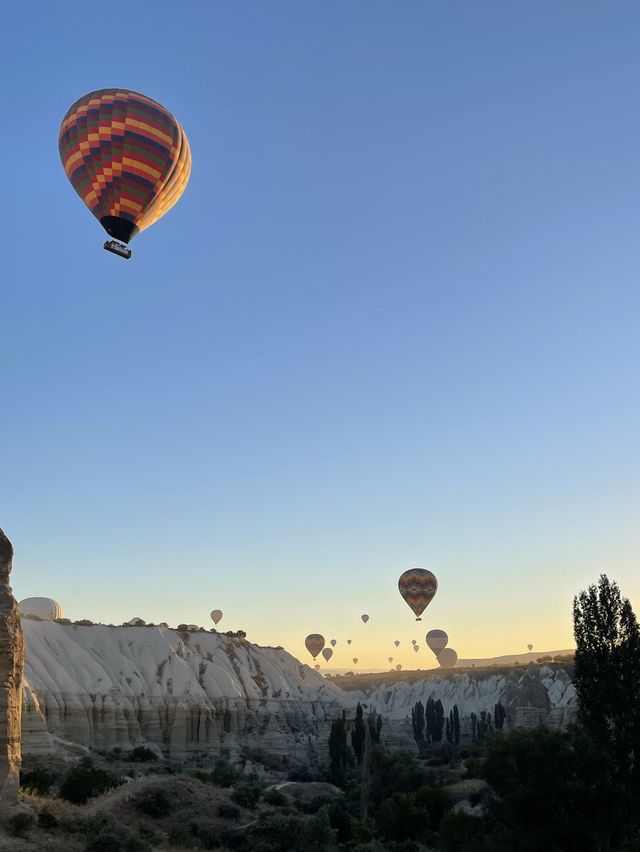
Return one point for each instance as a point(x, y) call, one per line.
point(456, 724)
point(358, 733)
point(338, 751)
point(607, 676)
point(418, 723)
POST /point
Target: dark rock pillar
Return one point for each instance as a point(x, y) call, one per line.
point(11, 665)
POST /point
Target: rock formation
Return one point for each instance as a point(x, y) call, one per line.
point(11, 665)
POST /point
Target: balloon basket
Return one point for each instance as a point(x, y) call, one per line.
point(117, 248)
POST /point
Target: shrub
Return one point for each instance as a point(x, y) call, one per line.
point(142, 754)
point(460, 831)
point(83, 783)
point(20, 824)
point(274, 797)
point(116, 840)
point(227, 810)
point(37, 781)
point(224, 775)
point(154, 803)
point(46, 819)
point(246, 795)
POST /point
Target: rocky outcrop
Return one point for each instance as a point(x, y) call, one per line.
point(11, 664)
point(200, 694)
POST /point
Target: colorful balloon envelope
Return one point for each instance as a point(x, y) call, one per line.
point(447, 658)
point(317, 666)
point(127, 158)
point(216, 615)
point(437, 640)
point(364, 617)
point(327, 653)
point(314, 643)
point(418, 587)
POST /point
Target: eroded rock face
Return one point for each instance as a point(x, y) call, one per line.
point(11, 665)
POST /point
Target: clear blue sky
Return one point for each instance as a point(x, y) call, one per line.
point(393, 321)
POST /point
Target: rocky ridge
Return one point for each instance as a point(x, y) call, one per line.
point(200, 693)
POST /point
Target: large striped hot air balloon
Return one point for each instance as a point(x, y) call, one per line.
point(418, 586)
point(127, 158)
point(314, 643)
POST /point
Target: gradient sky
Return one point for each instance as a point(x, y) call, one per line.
point(392, 322)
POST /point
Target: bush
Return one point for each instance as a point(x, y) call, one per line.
point(246, 795)
point(20, 824)
point(46, 819)
point(224, 775)
point(154, 803)
point(37, 781)
point(274, 797)
point(116, 840)
point(142, 754)
point(226, 810)
point(460, 831)
point(83, 783)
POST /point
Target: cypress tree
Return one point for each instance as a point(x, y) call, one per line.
point(358, 734)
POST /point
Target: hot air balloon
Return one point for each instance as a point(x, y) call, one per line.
point(355, 660)
point(216, 615)
point(416, 648)
point(437, 640)
point(348, 641)
point(413, 641)
point(530, 647)
point(317, 666)
point(127, 158)
point(365, 617)
point(334, 642)
point(447, 658)
point(418, 586)
point(390, 659)
point(327, 653)
point(399, 667)
point(397, 643)
point(43, 608)
point(314, 643)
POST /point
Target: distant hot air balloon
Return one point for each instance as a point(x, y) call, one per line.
point(397, 643)
point(327, 653)
point(317, 666)
point(530, 647)
point(355, 660)
point(399, 667)
point(418, 587)
point(334, 642)
point(447, 658)
point(365, 617)
point(314, 643)
point(413, 641)
point(44, 608)
point(390, 659)
point(348, 641)
point(416, 648)
point(127, 158)
point(437, 640)
point(216, 615)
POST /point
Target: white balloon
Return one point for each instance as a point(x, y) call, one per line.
point(45, 608)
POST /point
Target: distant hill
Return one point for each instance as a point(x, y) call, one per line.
point(463, 663)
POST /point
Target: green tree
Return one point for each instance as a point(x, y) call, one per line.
point(357, 735)
point(607, 677)
point(418, 723)
point(338, 751)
